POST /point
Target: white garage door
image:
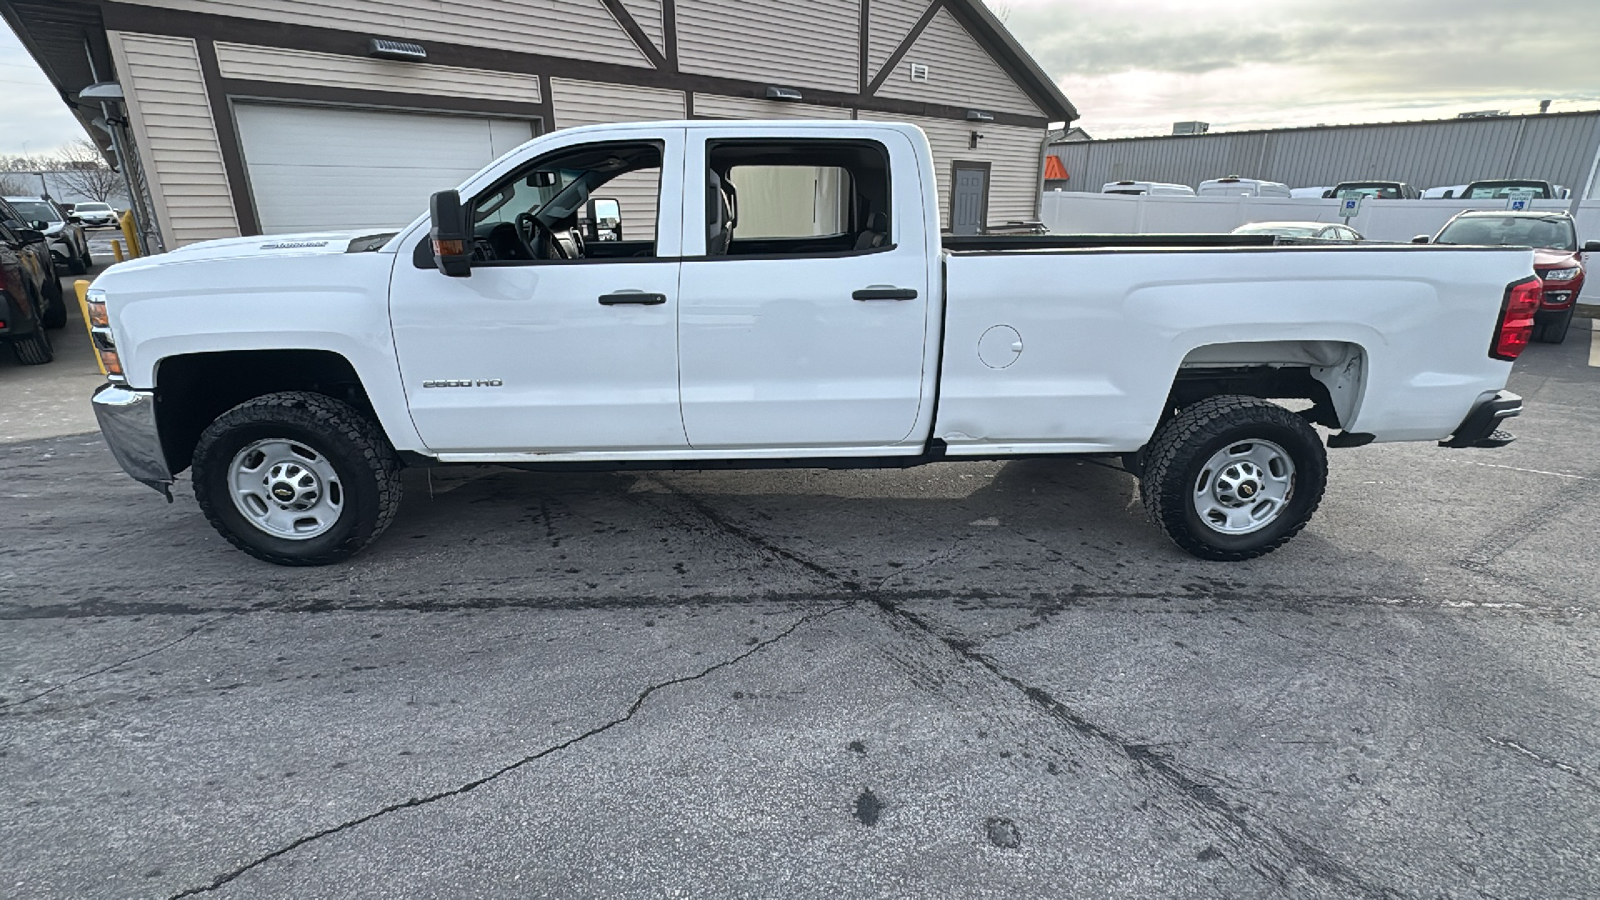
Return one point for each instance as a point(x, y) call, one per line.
point(315, 168)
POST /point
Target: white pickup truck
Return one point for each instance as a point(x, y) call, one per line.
point(748, 294)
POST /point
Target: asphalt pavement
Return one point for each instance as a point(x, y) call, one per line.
point(963, 680)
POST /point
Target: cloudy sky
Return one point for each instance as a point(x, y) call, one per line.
point(1136, 66)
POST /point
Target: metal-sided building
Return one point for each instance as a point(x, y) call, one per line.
point(1559, 147)
point(267, 116)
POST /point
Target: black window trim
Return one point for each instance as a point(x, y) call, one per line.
point(888, 178)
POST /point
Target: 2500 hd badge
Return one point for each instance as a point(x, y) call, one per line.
point(481, 382)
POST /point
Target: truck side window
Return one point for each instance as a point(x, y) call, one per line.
point(542, 211)
point(797, 198)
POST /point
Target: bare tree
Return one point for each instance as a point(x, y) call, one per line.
point(83, 170)
point(12, 184)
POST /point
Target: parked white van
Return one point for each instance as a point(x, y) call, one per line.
point(1153, 188)
point(1234, 186)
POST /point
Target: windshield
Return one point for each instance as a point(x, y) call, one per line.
point(92, 207)
point(1375, 191)
point(1503, 190)
point(36, 210)
point(1296, 231)
point(1511, 231)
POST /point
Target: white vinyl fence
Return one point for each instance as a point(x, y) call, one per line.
point(1078, 212)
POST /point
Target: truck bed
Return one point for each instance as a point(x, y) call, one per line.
point(995, 243)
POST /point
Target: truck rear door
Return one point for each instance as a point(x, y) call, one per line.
point(805, 288)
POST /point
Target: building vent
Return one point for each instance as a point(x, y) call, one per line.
point(383, 48)
point(1190, 127)
point(919, 72)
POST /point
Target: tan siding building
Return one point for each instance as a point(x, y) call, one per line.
point(270, 116)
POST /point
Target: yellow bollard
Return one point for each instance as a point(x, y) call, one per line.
point(116, 249)
point(82, 287)
point(134, 250)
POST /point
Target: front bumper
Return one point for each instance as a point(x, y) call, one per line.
point(1481, 426)
point(128, 420)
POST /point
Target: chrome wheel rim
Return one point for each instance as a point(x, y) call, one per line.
point(1244, 487)
point(286, 489)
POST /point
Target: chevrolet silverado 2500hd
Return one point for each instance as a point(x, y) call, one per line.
point(744, 294)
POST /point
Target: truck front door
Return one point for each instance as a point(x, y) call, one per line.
point(553, 344)
point(805, 290)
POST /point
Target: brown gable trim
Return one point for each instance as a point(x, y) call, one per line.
point(669, 34)
point(863, 47)
point(206, 26)
point(244, 207)
point(631, 26)
point(993, 36)
point(899, 53)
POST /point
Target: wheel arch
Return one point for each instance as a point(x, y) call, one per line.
point(193, 389)
point(1332, 374)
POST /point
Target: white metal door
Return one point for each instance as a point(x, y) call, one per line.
point(545, 357)
point(779, 352)
point(314, 167)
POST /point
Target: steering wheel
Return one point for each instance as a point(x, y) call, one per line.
point(528, 226)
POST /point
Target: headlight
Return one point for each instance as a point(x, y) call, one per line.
point(105, 347)
point(1561, 274)
point(96, 304)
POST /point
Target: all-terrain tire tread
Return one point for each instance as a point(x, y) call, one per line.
point(317, 412)
point(1165, 496)
point(35, 349)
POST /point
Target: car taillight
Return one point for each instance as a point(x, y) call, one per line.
point(1516, 318)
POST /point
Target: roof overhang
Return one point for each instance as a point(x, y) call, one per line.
point(61, 35)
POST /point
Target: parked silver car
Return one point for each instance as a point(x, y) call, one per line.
point(68, 244)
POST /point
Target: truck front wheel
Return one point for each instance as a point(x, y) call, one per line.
point(296, 478)
point(1233, 477)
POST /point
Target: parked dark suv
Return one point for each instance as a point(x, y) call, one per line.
point(38, 261)
point(24, 310)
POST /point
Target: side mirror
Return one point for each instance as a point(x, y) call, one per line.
point(73, 217)
point(1591, 247)
point(41, 225)
point(1421, 239)
point(30, 236)
point(605, 220)
point(450, 235)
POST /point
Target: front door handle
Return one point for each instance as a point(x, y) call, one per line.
point(639, 298)
point(885, 293)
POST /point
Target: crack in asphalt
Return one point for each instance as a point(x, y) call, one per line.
point(1280, 846)
point(1545, 761)
point(104, 669)
point(414, 802)
point(1276, 842)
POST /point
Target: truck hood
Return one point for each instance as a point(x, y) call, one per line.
point(321, 243)
point(1544, 258)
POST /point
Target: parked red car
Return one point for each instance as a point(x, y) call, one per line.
point(1557, 259)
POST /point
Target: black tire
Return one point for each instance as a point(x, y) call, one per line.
point(35, 349)
point(75, 265)
point(1181, 449)
point(368, 471)
point(87, 260)
point(55, 309)
point(1554, 329)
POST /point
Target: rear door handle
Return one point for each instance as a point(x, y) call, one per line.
point(639, 298)
point(885, 293)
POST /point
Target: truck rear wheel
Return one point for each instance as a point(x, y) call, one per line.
point(1233, 477)
point(296, 478)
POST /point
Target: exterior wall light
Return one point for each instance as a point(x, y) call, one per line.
point(782, 93)
point(978, 115)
